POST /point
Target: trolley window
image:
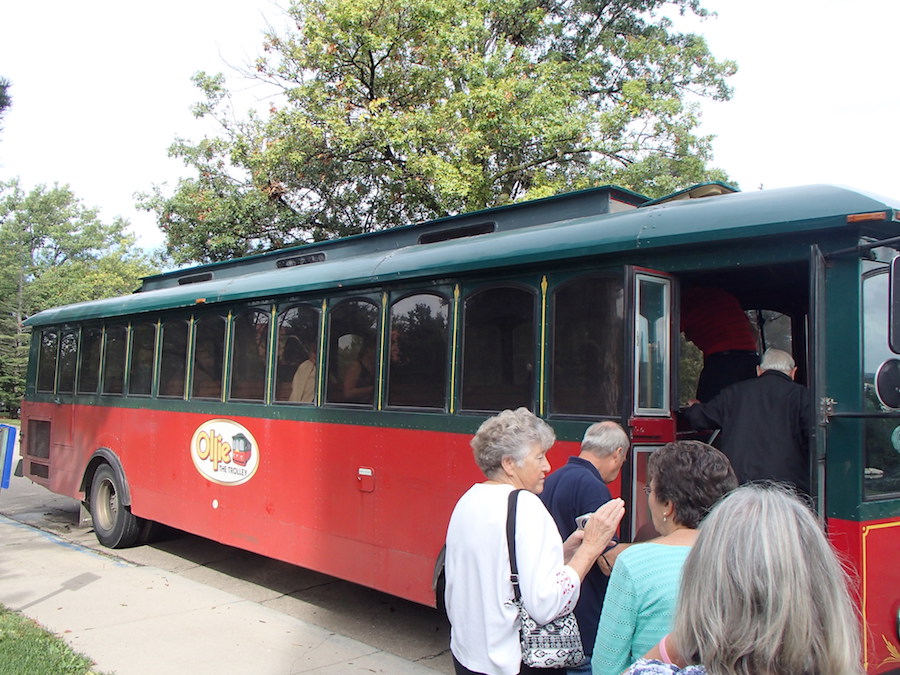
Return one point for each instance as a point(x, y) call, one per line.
point(143, 347)
point(47, 360)
point(89, 369)
point(209, 350)
point(651, 354)
point(353, 352)
point(498, 349)
point(588, 346)
point(173, 358)
point(250, 354)
point(68, 357)
point(115, 349)
point(417, 368)
point(296, 374)
point(880, 383)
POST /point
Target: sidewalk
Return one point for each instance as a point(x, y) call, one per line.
point(135, 620)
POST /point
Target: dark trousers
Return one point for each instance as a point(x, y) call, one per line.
point(525, 670)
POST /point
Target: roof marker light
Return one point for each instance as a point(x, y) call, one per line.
point(862, 217)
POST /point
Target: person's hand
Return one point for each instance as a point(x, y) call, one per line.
point(598, 532)
point(602, 525)
point(608, 558)
point(571, 544)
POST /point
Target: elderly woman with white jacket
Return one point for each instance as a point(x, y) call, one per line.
point(510, 449)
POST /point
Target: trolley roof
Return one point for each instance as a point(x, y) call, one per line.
point(570, 234)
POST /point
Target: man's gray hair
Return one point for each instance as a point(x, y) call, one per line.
point(512, 433)
point(604, 438)
point(776, 359)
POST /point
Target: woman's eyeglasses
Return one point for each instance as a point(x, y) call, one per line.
point(647, 490)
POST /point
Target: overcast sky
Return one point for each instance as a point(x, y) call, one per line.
point(102, 88)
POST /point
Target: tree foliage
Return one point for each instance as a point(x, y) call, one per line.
point(54, 251)
point(394, 111)
point(5, 98)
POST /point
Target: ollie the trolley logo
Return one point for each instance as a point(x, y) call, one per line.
point(224, 452)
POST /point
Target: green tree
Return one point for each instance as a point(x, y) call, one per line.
point(5, 98)
point(393, 111)
point(54, 251)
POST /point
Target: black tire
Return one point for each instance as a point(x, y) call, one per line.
point(114, 524)
point(151, 532)
point(439, 601)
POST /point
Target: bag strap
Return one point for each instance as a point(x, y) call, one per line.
point(511, 542)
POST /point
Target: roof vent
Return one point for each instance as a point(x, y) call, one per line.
point(458, 233)
point(195, 278)
point(300, 260)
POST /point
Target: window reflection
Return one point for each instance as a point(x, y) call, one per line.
point(498, 349)
point(882, 436)
point(47, 360)
point(143, 346)
point(68, 354)
point(173, 358)
point(298, 333)
point(588, 343)
point(209, 348)
point(353, 352)
point(652, 344)
point(114, 359)
point(250, 354)
point(89, 370)
point(417, 370)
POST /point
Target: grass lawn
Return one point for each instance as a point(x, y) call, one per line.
point(28, 649)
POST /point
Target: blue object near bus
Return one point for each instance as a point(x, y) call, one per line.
point(7, 449)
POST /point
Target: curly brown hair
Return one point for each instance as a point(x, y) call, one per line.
point(693, 476)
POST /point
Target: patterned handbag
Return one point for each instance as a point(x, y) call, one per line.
point(553, 645)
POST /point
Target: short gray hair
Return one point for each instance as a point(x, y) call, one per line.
point(604, 438)
point(776, 359)
point(512, 433)
point(762, 591)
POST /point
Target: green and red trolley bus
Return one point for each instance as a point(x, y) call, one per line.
point(315, 404)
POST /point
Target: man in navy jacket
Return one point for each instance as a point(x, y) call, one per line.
point(579, 487)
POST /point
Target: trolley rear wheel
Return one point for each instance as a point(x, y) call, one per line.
point(114, 524)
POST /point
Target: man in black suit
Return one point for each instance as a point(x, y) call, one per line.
point(764, 422)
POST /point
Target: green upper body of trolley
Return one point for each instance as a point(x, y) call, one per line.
point(724, 218)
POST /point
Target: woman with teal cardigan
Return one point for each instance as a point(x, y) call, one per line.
point(685, 479)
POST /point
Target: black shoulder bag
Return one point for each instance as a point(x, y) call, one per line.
point(553, 645)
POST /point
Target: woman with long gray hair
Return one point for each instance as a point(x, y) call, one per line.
point(762, 593)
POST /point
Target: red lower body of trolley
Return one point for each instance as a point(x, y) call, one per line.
point(363, 503)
